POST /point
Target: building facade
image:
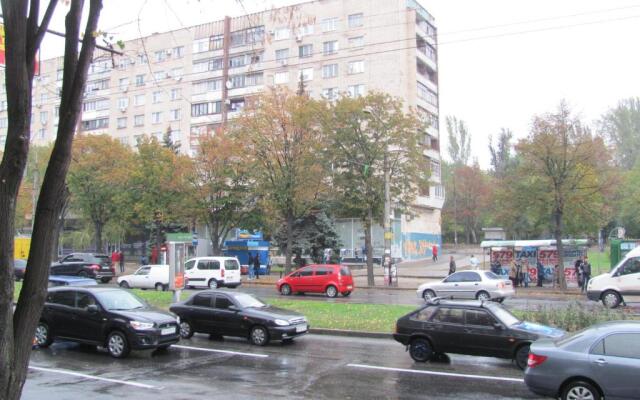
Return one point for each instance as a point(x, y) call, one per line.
point(188, 82)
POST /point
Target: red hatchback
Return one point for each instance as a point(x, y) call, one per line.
point(330, 279)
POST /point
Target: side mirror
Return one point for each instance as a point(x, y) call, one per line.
point(497, 326)
point(234, 308)
point(92, 308)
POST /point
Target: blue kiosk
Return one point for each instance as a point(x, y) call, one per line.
point(248, 243)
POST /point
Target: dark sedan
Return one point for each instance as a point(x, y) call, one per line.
point(91, 265)
point(111, 317)
point(224, 313)
point(601, 361)
point(469, 327)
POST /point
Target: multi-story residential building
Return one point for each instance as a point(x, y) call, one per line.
point(190, 81)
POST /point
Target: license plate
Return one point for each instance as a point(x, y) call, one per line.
point(168, 331)
point(106, 268)
point(301, 328)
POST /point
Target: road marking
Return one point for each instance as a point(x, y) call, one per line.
point(415, 371)
point(97, 378)
point(238, 353)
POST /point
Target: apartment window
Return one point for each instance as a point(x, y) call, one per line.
point(330, 47)
point(200, 45)
point(330, 93)
point(138, 120)
point(355, 20)
point(306, 74)
point(440, 191)
point(160, 55)
point(238, 61)
point(305, 30)
point(3, 105)
point(356, 67)
point(123, 84)
point(305, 50)
point(4, 122)
point(329, 71)
point(100, 123)
point(209, 108)
point(174, 115)
point(282, 55)
point(43, 117)
point(177, 73)
point(156, 97)
point(356, 90)
point(94, 86)
point(236, 105)
point(357, 41)
point(281, 77)
point(210, 85)
point(281, 34)
point(59, 74)
point(159, 75)
point(139, 100)
point(429, 29)
point(216, 42)
point(123, 103)
point(95, 105)
point(175, 94)
point(124, 140)
point(254, 79)
point(210, 64)
point(247, 36)
point(329, 24)
point(427, 94)
point(56, 111)
point(121, 122)
point(142, 58)
point(123, 63)
point(178, 52)
point(43, 99)
point(140, 80)
point(237, 81)
point(435, 169)
point(42, 132)
point(156, 117)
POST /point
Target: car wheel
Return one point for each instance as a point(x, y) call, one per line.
point(117, 345)
point(428, 294)
point(259, 336)
point(213, 284)
point(580, 390)
point(483, 296)
point(521, 357)
point(420, 350)
point(159, 287)
point(124, 285)
point(186, 330)
point(331, 291)
point(82, 274)
point(611, 299)
point(43, 335)
point(105, 280)
point(346, 294)
point(285, 290)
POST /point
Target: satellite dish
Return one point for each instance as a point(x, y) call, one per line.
point(229, 84)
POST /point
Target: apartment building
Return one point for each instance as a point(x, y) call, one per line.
point(190, 81)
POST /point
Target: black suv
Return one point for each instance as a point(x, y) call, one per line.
point(469, 327)
point(89, 265)
point(111, 317)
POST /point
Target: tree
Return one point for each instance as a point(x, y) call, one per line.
point(459, 151)
point(283, 132)
point(167, 141)
point(23, 37)
point(36, 166)
point(312, 234)
point(371, 134)
point(501, 156)
point(97, 181)
point(621, 125)
point(222, 185)
point(569, 172)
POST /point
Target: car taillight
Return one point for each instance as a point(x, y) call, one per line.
point(500, 285)
point(535, 360)
point(222, 273)
point(94, 267)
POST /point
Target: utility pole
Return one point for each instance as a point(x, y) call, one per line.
point(386, 223)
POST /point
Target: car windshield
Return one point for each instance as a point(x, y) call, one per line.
point(120, 300)
point(491, 275)
point(246, 300)
point(505, 316)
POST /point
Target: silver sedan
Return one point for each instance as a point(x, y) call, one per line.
point(481, 285)
point(599, 362)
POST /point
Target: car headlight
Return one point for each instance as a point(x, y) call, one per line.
point(281, 322)
point(141, 326)
point(178, 320)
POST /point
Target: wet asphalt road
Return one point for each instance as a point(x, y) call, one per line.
point(313, 367)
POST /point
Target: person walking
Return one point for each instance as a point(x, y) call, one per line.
point(452, 265)
point(526, 278)
point(540, 273)
point(256, 265)
point(475, 263)
point(512, 273)
point(577, 267)
point(250, 267)
point(434, 251)
point(518, 272)
point(586, 274)
point(121, 261)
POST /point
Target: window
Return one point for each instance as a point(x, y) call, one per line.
point(156, 117)
point(177, 73)
point(330, 71)
point(216, 42)
point(255, 79)
point(202, 300)
point(210, 64)
point(306, 50)
point(123, 103)
point(139, 100)
point(597, 349)
point(236, 104)
point(209, 108)
point(160, 55)
point(142, 58)
point(231, 265)
point(281, 34)
point(329, 24)
point(356, 90)
point(121, 122)
point(322, 271)
point(305, 30)
point(210, 85)
point(200, 45)
point(424, 315)
point(174, 94)
point(156, 97)
point(223, 302)
point(42, 132)
point(632, 266)
point(247, 36)
point(4, 122)
point(189, 264)
point(138, 120)
point(439, 191)
point(281, 77)
point(357, 41)
point(140, 80)
point(237, 81)
point(306, 272)
point(306, 74)
point(238, 61)
point(3, 105)
point(43, 117)
point(330, 93)
point(43, 99)
point(174, 115)
point(435, 169)
point(100, 123)
point(355, 20)
point(478, 318)
point(356, 67)
point(330, 47)
point(625, 345)
point(449, 315)
point(124, 140)
point(66, 298)
point(178, 52)
point(94, 86)
point(209, 265)
point(455, 277)
point(123, 84)
point(282, 55)
point(159, 75)
point(59, 74)
point(95, 105)
point(143, 271)
point(427, 94)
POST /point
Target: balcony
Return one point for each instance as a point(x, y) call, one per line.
point(426, 53)
point(427, 75)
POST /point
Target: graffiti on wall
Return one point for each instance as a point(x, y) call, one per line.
point(419, 245)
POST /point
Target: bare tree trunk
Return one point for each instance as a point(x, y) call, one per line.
point(557, 219)
point(288, 252)
point(98, 227)
point(368, 248)
point(215, 237)
point(60, 225)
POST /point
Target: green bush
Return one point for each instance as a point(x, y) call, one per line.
point(573, 317)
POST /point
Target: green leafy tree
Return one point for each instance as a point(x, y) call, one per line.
point(621, 126)
point(312, 234)
point(459, 150)
point(502, 159)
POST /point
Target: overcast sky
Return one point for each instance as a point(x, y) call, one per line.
point(500, 61)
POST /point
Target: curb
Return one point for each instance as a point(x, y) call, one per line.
point(346, 333)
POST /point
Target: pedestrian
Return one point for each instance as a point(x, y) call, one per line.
point(452, 265)
point(256, 265)
point(577, 267)
point(518, 272)
point(512, 273)
point(540, 273)
point(326, 257)
point(114, 257)
point(586, 274)
point(121, 260)
point(526, 278)
point(250, 267)
point(475, 263)
point(434, 252)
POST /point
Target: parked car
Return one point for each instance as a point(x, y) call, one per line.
point(602, 361)
point(91, 265)
point(147, 277)
point(481, 285)
point(111, 317)
point(238, 314)
point(620, 285)
point(19, 268)
point(212, 272)
point(329, 279)
point(469, 327)
point(61, 280)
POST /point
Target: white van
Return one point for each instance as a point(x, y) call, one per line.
point(147, 277)
point(212, 272)
point(622, 284)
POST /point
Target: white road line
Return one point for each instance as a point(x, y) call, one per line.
point(238, 353)
point(97, 378)
point(415, 371)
